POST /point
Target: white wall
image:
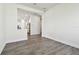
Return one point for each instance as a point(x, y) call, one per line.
point(61, 23)
point(35, 24)
point(35, 20)
point(12, 34)
point(2, 26)
point(8, 24)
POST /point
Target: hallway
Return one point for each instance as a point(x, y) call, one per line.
point(37, 45)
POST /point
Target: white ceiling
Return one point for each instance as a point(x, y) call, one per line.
point(40, 6)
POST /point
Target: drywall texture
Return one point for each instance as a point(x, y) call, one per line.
point(2, 30)
point(61, 23)
point(12, 33)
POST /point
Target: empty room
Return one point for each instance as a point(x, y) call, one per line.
point(39, 28)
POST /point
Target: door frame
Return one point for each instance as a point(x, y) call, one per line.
point(39, 26)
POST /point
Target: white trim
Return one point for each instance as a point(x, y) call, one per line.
point(70, 43)
point(2, 47)
point(16, 40)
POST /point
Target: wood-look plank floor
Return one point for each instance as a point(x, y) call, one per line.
point(37, 45)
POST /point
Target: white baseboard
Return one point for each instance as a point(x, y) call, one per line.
point(70, 43)
point(2, 47)
point(16, 40)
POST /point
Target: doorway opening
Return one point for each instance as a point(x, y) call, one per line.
point(28, 29)
point(34, 25)
point(31, 22)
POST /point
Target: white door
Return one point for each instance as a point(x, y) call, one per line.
point(35, 24)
